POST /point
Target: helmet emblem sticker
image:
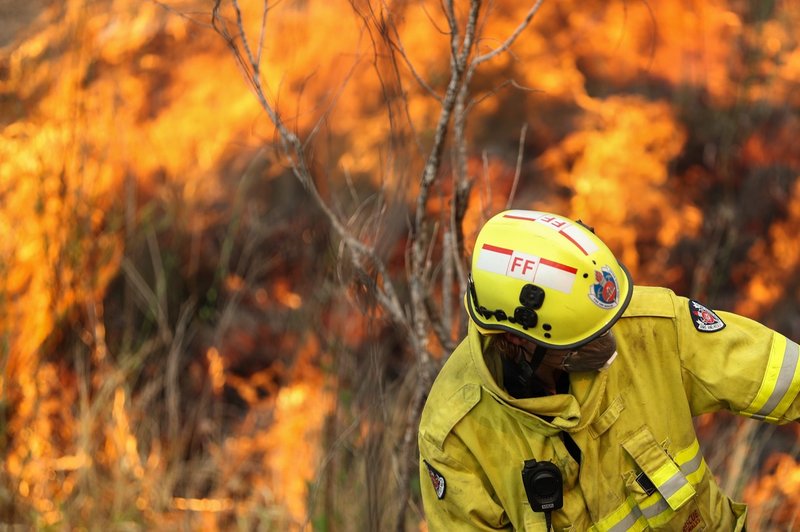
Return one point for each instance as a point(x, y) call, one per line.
point(604, 292)
point(704, 319)
point(538, 270)
point(437, 479)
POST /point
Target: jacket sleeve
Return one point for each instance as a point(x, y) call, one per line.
point(734, 363)
point(455, 492)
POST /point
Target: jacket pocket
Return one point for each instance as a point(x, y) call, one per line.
point(661, 491)
point(740, 511)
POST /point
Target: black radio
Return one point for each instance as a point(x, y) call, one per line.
point(543, 486)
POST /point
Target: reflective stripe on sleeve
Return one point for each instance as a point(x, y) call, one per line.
point(627, 517)
point(691, 462)
point(781, 381)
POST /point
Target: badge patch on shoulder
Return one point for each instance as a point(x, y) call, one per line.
point(704, 319)
point(437, 479)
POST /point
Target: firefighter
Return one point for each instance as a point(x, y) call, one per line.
point(569, 404)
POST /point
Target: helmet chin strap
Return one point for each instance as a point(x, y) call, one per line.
point(520, 352)
point(520, 364)
point(538, 356)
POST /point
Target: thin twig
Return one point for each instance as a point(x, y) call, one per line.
point(513, 37)
point(474, 102)
point(397, 44)
point(296, 161)
point(518, 166)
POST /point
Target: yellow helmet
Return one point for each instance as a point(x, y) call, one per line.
point(545, 278)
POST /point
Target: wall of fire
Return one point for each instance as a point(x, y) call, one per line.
point(177, 345)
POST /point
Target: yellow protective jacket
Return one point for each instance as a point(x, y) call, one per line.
point(633, 419)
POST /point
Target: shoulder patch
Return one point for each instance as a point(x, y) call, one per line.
point(704, 319)
point(439, 484)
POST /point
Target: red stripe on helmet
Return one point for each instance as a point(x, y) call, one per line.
point(496, 249)
point(565, 235)
point(517, 217)
point(558, 265)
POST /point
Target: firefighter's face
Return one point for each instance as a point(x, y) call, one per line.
point(595, 355)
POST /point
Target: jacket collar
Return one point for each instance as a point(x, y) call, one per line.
point(570, 412)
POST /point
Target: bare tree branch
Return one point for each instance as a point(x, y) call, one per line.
point(458, 64)
point(397, 44)
point(435, 249)
point(386, 27)
point(296, 161)
point(518, 167)
point(513, 37)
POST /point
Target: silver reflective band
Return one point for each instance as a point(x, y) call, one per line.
point(692, 465)
point(628, 521)
point(672, 485)
point(784, 380)
point(652, 511)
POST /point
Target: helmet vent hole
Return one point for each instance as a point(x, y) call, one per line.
point(585, 275)
point(547, 335)
point(546, 326)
